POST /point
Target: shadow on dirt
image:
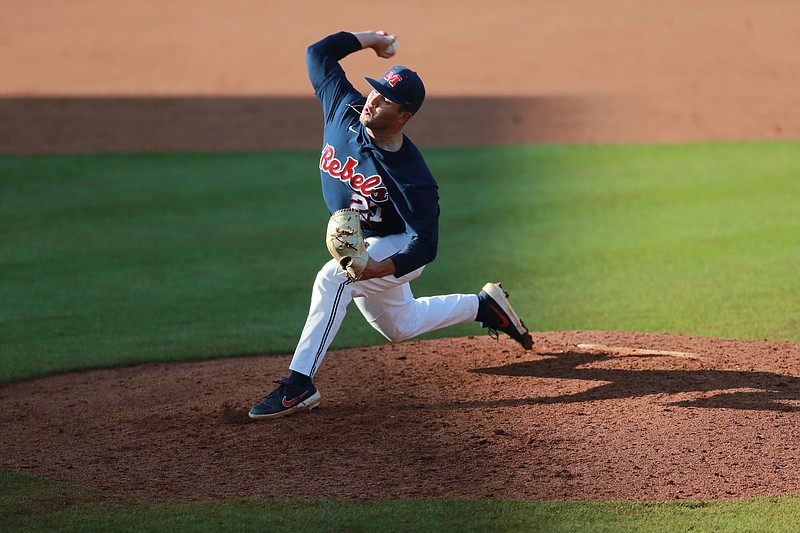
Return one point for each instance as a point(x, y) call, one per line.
point(729, 389)
point(64, 124)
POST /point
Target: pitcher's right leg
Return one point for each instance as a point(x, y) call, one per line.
point(331, 294)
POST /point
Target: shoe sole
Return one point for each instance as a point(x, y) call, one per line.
point(307, 405)
point(496, 293)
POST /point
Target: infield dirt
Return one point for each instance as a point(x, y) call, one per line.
point(457, 418)
point(462, 418)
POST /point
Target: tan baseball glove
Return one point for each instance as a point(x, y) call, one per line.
point(345, 242)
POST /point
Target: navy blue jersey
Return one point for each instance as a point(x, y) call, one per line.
point(394, 191)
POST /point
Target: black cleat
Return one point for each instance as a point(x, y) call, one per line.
point(288, 398)
point(496, 313)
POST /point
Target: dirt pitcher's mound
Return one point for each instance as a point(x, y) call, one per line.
point(590, 415)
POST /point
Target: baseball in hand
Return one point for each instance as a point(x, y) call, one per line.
point(391, 49)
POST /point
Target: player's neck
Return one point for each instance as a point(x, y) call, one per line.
point(391, 141)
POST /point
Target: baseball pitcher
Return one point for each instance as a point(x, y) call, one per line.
point(384, 224)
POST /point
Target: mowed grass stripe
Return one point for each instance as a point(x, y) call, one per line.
point(118, 259)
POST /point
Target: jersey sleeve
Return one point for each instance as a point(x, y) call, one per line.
point(415, 195)
point(422, 221)
point(330, 83)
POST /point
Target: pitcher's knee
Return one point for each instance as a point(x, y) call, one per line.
point(329, 282)
point(329, 272)
point(391, 332)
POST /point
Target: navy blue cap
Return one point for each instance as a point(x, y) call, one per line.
point(402, 86)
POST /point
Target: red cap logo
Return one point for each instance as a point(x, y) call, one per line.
point(392, 78)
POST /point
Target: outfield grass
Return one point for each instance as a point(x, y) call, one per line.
point(50, 506)
point(119, 259)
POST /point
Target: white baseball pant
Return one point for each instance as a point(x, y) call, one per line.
point(387, 303)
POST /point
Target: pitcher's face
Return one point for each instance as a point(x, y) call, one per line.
point(379, 113)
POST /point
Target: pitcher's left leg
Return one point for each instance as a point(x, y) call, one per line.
point(398, 316)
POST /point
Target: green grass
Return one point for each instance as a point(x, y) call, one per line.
point(112, 260)
point(30, 504)
point(120, 259)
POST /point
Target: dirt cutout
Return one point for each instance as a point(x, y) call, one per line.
point(88, 76)
point(457, 418)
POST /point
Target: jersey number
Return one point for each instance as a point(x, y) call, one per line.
point(369, 211)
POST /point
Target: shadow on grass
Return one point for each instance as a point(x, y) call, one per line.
point(729, 389)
